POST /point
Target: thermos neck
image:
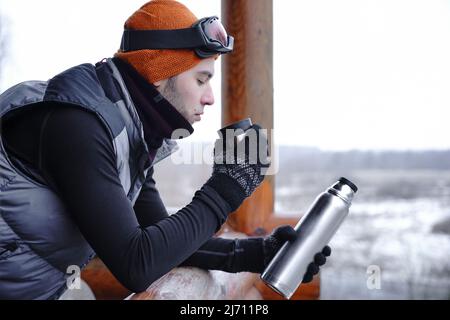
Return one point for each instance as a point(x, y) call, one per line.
point(344, 189)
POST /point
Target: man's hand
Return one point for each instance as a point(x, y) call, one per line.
point(238, 169)
point(273, 243)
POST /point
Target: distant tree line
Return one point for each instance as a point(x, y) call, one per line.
point(315, 159)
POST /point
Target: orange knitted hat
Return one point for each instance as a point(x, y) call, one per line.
point(155, 65)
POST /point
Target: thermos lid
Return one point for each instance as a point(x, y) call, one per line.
point(244, 124)
point(349, 183)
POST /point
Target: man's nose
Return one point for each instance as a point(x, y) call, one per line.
point(208, 97)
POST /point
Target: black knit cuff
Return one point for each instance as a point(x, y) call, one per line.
point(228, 189)
point(250, 255)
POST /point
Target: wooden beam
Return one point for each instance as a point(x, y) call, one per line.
point(247, 90)
point(102, 282)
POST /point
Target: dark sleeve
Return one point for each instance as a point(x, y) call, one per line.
point(78, 156)
point(230, 255)
point(149, 207)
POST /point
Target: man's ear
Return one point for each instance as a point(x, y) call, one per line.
point(160, 84)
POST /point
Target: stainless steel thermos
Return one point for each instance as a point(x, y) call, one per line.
point(285, 272)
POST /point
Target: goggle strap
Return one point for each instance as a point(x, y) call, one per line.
point(161, 39)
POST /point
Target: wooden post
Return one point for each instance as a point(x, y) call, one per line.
point(247, 91)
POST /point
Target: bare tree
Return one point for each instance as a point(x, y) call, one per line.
point(2, 43)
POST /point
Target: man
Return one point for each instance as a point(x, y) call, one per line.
point(77, 159)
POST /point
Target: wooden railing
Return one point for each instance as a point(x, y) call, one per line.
point(193, 283)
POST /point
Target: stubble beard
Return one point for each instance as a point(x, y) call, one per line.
point(171, 94)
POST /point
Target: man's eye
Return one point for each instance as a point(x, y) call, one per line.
point(200, 82)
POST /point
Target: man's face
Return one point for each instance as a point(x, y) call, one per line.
point(190, 91)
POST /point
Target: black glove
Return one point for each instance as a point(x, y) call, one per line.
point(274, 242)
point(235, 177)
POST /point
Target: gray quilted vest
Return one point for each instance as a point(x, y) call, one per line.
point(38, 239)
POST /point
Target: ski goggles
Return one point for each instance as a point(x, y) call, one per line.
point(207, 37)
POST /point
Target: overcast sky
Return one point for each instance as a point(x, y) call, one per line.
point(361, 74)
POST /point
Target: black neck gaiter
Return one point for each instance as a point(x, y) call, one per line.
point(158, 116)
